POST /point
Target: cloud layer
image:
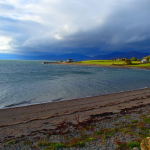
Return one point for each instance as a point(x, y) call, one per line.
point(74, 26)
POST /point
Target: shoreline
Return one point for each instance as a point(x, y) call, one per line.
point(26, 120)
point(44, 103)
point(96, 65)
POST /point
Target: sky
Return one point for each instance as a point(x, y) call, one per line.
point(86, 27)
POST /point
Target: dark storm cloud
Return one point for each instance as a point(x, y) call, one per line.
point(77, 26)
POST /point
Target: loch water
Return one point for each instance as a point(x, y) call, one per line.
point(31, 82)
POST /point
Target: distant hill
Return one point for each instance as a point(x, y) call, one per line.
point(75, 56)
point(114, 55)
point(47, 56)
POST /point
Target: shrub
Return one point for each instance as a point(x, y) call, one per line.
point(134, 121)
point(134, 59)
point(11, 142)
point(146, 120)
point(133, 144)
point(128, 62)
point(122, 146)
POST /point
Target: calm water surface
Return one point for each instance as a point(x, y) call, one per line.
point(30, 82)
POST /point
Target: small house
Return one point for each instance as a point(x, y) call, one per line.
point(70, 61)
point(144, 61)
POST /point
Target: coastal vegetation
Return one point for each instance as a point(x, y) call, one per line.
point(121, 63)
point(118, 62)
point(124, 131)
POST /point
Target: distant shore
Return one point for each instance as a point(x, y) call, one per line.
point(24, 121)
point(111, 66)
point(100, 65)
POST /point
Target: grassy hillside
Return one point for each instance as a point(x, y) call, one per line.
point(114, 63)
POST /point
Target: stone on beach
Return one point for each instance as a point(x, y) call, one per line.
point(135, 148)
point(145, 144)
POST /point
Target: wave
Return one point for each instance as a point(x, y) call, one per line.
point(56, 100)
point(18, 104)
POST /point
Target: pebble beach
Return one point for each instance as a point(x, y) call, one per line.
point(101, 122)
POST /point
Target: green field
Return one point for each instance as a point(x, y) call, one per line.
point(114, 63)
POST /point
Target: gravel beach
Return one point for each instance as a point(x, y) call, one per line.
point(102, 112)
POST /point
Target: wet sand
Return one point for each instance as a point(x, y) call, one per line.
point(25, 121)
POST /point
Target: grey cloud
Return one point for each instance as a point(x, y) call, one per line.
point(92, 26)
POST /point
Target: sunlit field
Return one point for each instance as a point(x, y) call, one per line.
point(114, 62)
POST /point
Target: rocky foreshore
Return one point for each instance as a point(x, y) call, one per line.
point(100, 65)
point(110, 122)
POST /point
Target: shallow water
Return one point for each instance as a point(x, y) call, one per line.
point(30, 82)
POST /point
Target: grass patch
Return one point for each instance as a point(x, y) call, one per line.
point(125, 130)
point(97, 62)
point(107, 132)
point(89, 139)
point(127, 117)
point(55, 146)
point(28, 142)
point(76, 143)
point(43, 143)
point(122, 146)
point(11, 142)
point(133, 144)
point(51, 146)
point(113, 62)
point(134, 121)
point(142, 65)
point(146, 120)
point(128, 146)
point(79, 144)
point(144, 132)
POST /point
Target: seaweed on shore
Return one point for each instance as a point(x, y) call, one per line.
point(123, 131)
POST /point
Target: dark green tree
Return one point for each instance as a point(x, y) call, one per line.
point(128, 61)
point(147, 58)
point(134, 59)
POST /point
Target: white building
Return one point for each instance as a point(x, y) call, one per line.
point(144, 61)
